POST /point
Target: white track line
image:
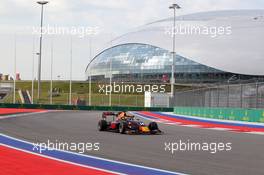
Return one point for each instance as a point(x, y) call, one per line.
point(217, 120)
point(257, 133)
point(104, 159)
point(167, 122)
point(193, 126)
point(20, 115)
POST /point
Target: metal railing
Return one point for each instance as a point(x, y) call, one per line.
point(250, 95)
point(61, 95)
point(230, 95)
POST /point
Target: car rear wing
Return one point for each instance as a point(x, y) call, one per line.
point(106, 114)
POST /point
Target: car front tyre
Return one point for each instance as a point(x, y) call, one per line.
point(153, 127)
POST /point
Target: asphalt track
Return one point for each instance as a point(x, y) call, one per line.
point(246, 156)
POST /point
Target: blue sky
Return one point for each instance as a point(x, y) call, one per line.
point(112, 17)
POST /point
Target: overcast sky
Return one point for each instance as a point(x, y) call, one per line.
point(109, 18)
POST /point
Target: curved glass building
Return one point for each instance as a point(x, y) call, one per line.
point(141, 62)
point(144, 55)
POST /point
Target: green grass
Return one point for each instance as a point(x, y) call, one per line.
point(80, 90)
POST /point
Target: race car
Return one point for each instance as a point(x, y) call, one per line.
point(124, 123)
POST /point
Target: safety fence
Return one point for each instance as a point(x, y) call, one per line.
point(239, 114)
point(81, 94)
point(74, 107)
point(230, 95)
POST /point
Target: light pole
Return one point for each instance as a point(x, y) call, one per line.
point(42, 3)
point(89, 71)
point(90, 87)
point(110, 71)
point(110, 83)
point(51, 72)
point(15, 66)
point(174, 7)
point(70, 91)
point(33, 71)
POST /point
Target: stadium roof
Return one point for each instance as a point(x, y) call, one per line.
point(237, 47)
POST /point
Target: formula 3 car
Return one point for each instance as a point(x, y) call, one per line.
point(123, 123)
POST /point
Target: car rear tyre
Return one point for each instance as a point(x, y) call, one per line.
point(102, 125)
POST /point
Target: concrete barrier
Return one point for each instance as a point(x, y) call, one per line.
point(74, 107)
point(239, 114)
